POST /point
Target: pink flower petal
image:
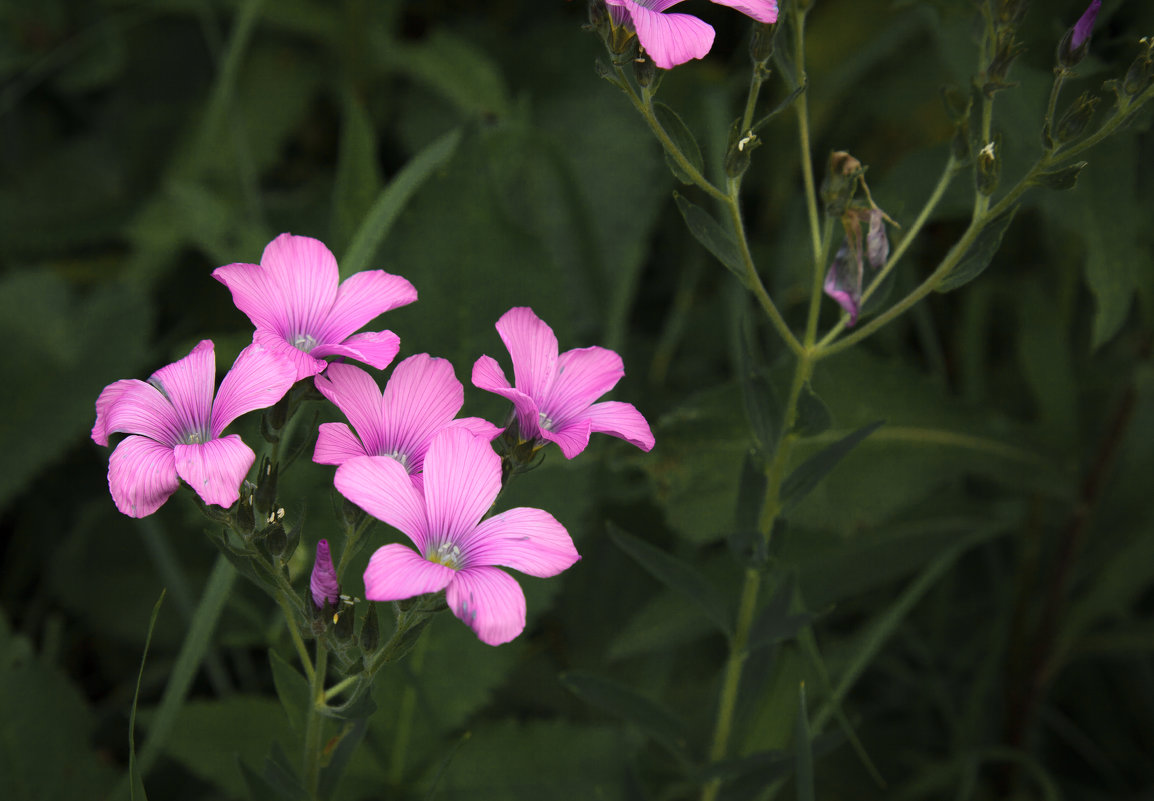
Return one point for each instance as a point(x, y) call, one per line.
point(490, 602)
point(487, 375)
point(462, 477)
point(141, 476)
point(760, 10)
point(529, 540)
point(533, 349)
point(571, 438)
point(374, 348)
point(188, 384)
point(669, 39)
point(135, 407)
point(477, 426)
point(258, 379)
point(336, 444)
point(356, 394)
point(422, 396)
point(396, 572)
point(381, 487)
point(362, 297)
point(305, 364)
point(583, 376)
point(256, 294)
point(215, 469)
point(306, 272)
point(620, 420)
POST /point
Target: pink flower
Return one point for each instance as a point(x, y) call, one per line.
point(175, 427)
point(456, 550)
point(300, 307)
point(323, 581)
point(422, 397)
point(554, 394)
point(672, 39)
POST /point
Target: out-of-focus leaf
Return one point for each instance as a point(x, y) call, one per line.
point(1044, 353)
point(666, 622)
point(682, 138)
point(616, 699)
point(711, 235)
point(358, 178)
point(678, 576)
point(776, 622)
point(454, 68)
point(980, 252)
point(803, 754)
point(806, 476)
point(1062, 178)
point(291, 688)
point(135, 784)
point(813, 415)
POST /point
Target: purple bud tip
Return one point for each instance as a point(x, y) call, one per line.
point(324, 578)
point(1085, 24)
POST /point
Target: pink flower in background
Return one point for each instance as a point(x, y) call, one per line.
point(323, 581)
point(300, 307)
point(554, 394)
point(422, 397)
point(457, 551)
point(672, 39)
point(175, 427)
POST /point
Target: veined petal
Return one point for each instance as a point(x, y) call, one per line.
point(620, 420)
point(533, 349)
point(374, 348)
point(215, 469)
point(188, 384)
point(306, 272)
point(381, 487)
point(258, 379)
point(305, 364)
point(141, 476)
point(843, 282)
point(256, 294)
point(583, 376)
point(363, 296)
point(135, 407)
point(760, 10)
point(670, 39)
point(487, 375)
point(529, 540)
point(477, 426)
point(396, 572)
point(462, 476)
point(422, 396)
point(336, 444)
point(571, 438)
point(490, 602)
point(356, 394)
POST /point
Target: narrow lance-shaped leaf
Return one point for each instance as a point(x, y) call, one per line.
point(809, 473)
point(135, 783)
point(980, 253)
point(711, 235)
point(677, 575)
point(776, 622)
point(683, 140)
point(813, 415)
point(617, 699)
point(803, 751)
point(291, 688)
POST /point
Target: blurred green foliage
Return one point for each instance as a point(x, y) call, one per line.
point(978, 572)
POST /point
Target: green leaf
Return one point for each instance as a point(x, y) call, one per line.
point(1061, 179)
point(683, 140)
point(462, 73)
point(291, 688)
point(809, 473)
point(392, 200)
point(358, 178)
point(617, 699)
point(762, 406)
point(980, 253)
point(350, 737)
point(677, 575)
point(776, 622)
point(813, 415)
point(135, 783)
point(712, 236)
point(803, 752)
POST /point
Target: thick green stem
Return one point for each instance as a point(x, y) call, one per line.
point(314, 726)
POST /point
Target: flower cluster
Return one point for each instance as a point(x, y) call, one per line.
point(404, 456)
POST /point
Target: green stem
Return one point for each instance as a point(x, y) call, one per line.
point(1060, 75)
point(290, 620)
point(404, 722)
point(803, 133)
point(314, 727)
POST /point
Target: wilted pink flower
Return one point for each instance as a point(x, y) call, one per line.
point(323, 581)
point(175, 427)
point(300, 307)
point(456, 550)
point(843, 280)
point(554, 394)
point(422, 397)
point(672, 39)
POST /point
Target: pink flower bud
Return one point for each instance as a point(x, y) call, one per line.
point(323, 582)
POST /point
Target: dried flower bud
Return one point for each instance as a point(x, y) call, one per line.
point(989, 168)
point(1074, 121)
point(644, 70)
point(1141, 71)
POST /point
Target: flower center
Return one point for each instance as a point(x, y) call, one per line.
point(196, 437)
point(446, 554)
point(403, 458)
point(304, 342)
point(545, 421)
